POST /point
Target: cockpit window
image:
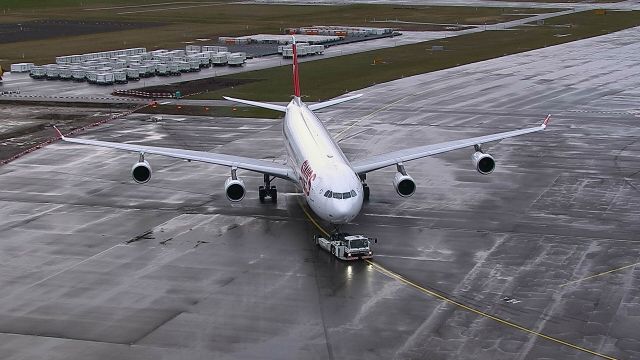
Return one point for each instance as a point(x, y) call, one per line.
point(337, 195)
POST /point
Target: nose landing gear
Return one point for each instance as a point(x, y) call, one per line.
point(267, 190)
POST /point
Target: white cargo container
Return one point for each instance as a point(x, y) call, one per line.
point(287, 52)
point(120, 77)
point(195, 48)
point(215, 49)
point(38, 72)
point(53, 72)
point(105, 78)
point(220, 58)
point(148, 70)
point(183, 66)
point(91, 77)
point(236, 59)
point(133, 74)
point(64, 73)
point(78, 74)
point(21, 67)
point(162, 69)
point(194, 65)
point(174, 69)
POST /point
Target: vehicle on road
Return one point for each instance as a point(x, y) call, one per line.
point(345, 246)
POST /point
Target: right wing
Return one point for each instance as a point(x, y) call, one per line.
point(378, 162)
point(324, 104)
point(261, 166)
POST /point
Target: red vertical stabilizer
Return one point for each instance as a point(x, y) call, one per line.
point(296, 78)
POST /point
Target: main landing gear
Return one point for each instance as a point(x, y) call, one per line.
point(365, 187)
point(267, 190)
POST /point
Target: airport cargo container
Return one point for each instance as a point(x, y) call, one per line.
point(53, 73)
point(183, 66)
point(287, 52)
point(220, 58)
point(120, 77)
point(38, 72)
point(162, 69)
point(133, 73)
point(21, 67)
point(105, 78)
point(78, 74)
point(148, 70)
point(195, 48)
point(64, 73)
point(174, 69)
point(91, 77)
point(215, 49)
point(194, 65)
point(236, 60)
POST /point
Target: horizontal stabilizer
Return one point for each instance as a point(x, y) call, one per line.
point(325, 104)
point(258, 104)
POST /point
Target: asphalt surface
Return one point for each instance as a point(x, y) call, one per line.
point(94, 266)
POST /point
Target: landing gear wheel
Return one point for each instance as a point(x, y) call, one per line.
point(365, 192)
point(262, 193)
point(274, 194)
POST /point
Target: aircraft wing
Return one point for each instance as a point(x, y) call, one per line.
point(257, 165)
point(384, 160)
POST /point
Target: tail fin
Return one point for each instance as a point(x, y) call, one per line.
point(296, 78)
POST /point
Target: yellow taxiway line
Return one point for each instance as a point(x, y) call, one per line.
point(439, 296)
point(600, 274)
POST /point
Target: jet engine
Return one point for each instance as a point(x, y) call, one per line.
point(234, 188)
point(404, 184)
point(141, 172)
point(484, 163)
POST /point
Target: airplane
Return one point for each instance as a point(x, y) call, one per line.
point(334, 187)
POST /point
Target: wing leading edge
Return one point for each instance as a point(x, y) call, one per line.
point(261, 166)
point(384, 160)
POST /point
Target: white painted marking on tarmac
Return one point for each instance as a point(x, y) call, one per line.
point(165, 102)
point(73, 266)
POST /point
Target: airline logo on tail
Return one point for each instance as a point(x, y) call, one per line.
point(296, 78)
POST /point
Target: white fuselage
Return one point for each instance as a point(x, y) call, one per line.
point(329, 185)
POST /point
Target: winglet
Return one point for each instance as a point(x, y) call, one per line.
point(60, 136)
point(546, 121)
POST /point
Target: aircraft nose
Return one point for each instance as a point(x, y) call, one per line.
point(343, 212)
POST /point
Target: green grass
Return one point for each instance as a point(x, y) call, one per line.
point(213, 21)
point(214, 111)
point(323, 79)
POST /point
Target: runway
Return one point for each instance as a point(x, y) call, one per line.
point(95, 266)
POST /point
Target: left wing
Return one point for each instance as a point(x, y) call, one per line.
point(261, 166)
point(383, 160)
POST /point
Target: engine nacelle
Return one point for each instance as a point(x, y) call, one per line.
point(234, 189)
point(141, 172)
point(484, 163)
point(404, 184)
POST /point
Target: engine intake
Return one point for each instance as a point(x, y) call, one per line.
point(141, 172)
point(234, 189)
point(404, 184)
point(484, 163)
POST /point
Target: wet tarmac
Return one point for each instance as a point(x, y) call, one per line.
point(94, 266)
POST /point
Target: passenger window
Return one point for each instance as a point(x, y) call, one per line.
point(353, 193)
point(346, 195)
point(337, 195)
point(327, 194)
